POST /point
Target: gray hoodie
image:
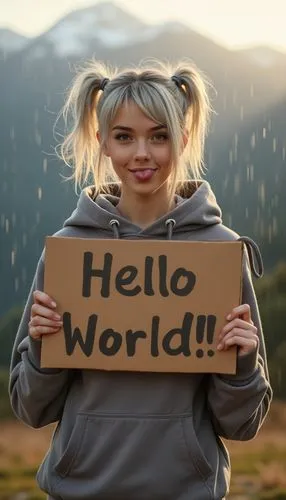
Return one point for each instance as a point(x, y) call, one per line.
point(140, 436)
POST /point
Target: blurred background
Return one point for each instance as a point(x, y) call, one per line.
point(241, 47)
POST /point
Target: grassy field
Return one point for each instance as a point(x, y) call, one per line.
point(258, 466)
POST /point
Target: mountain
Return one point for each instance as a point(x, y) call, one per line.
point(111, 34)
point(103, 25)
point(246, 164)
point(11, 42)
point(264, 56)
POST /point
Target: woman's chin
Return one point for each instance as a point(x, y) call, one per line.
point(143, 188)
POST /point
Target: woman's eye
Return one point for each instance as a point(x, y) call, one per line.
point(160, 138)
point(122, 137)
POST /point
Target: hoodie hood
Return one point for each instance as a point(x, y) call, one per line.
point(196, 216)
point(196, 207)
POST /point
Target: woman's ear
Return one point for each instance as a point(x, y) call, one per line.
point(103, 144)
point(185, 140)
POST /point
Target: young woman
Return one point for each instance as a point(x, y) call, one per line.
point(133, 435)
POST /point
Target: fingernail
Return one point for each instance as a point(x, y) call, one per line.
point(57, 316)
point(53, 304)
point(229, 316)
point(219, 347)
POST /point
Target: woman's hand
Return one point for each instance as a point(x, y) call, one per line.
point(44, 318)
point(239, 331)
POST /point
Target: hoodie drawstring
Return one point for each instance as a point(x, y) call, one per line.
point(254, 255)
point(253, 251)
point(114, 223)
point(170, 224)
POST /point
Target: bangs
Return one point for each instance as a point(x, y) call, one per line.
point(152, 99)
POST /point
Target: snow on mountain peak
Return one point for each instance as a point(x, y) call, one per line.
point(106, 24)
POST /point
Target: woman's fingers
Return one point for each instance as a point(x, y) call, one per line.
point(246, 340)
point(41, 321)
point(44, 317)
point(238, 333)
point(39, 326)
point(39, 310)
point(243, 311)
point(237, 323)
point(36, 332)
point(246, 344)
point(44, 298)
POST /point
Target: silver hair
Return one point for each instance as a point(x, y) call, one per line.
point(176, 96)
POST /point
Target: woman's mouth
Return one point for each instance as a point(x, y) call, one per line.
point(143, 174)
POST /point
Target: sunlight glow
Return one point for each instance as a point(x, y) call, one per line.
point(229, 23)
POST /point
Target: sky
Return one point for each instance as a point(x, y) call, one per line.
point(232, 23)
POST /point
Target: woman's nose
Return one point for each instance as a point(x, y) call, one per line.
point(142, 151)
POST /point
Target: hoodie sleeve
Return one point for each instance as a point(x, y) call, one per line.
point(239, 403)
point(37, 395)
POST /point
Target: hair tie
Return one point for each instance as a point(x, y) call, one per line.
point(177, 80)
point(103, 83)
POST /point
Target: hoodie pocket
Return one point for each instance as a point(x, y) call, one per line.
point(65, 463)
point(196, 453)
point(134, 457)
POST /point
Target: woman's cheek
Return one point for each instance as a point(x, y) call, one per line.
point(163, 157)
point(122, 157)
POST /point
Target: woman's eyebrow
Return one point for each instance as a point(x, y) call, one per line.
point(129, 129)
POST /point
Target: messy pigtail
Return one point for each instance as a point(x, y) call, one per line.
point(80, 149)
point(192, 88)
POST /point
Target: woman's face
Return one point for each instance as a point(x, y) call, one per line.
point(140, 151)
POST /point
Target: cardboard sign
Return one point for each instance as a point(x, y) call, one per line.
point(141, 305)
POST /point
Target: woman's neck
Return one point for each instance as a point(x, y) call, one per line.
point(144, 210)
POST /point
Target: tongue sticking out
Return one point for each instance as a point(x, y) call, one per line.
point(144, 175)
